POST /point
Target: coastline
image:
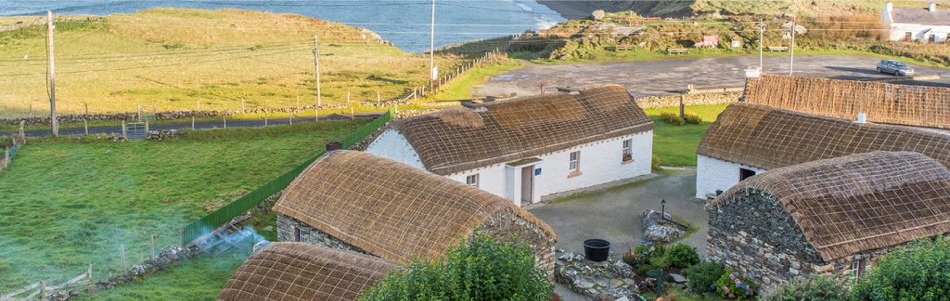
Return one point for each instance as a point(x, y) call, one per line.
point(571, 9)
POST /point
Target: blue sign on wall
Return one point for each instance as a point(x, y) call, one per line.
point(537, 171)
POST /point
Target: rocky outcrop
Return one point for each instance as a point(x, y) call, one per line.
point(596, 280)
point(661, 228)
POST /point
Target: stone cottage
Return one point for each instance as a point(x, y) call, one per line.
point(360, 202)
point(930, 24)
point(288, 271)
point(529, 149)
point(832, 217)
point(917, 106)
point(748, 139)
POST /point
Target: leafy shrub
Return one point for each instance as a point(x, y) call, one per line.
point(812, 288)
point(731, 286)
point(702, 277)
point(672, 119)
point(915, 272)
point(655, 163)
point(691, 118)
point(638, 256)
point(682, 256)
point(478, 269)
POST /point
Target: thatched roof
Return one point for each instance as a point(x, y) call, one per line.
point(298, 271)
point(883, 103)
point(767, 138)
point(455, 140)
point(861, 202)
point(389, 209)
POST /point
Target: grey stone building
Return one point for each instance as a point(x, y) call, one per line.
point(830, 217)
point(359, 202)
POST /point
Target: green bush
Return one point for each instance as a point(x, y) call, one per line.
point(682, 256)
point(672, 119)
point(655, 163)
point(702, 277)
point(731, 286)
point(812, 288)
point(916, 272)
point(478, 269)
point(691, 118)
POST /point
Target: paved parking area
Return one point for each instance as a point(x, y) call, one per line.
point(661, 77)
point(614, 214)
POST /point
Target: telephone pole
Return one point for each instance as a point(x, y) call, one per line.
point(761, 42)
point(316, 67)
point(432, 72)
point(791, 58)
point(54, 124)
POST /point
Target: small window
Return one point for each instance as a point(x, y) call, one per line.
point(745, 173)
point(472, 180)
point(297, 234)
point(627, 150)
point(858, 267)
point(575, 161)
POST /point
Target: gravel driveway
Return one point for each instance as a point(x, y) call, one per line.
point(662, 77)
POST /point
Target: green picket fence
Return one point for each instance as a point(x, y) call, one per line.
point(241, 205)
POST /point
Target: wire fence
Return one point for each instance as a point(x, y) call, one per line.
point(238, 207)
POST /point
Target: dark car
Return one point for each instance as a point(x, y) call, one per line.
point(894, 67)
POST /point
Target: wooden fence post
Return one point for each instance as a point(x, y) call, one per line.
point(225, 118)
point(153, 244)
point(124, 131)
point(22, 133)
point(682, 106)
point(291, 119)
point(42, 289)
point(125, 266)
point(89, 278)
point(146, 127)
point(85, 125)
point(192, 122)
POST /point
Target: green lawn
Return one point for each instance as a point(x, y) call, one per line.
point(461, 87)
point(676, 145)
point(69, 203)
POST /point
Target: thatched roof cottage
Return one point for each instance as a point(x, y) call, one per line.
point(881, 102)
point(831, 217)
point(529, 149)
point(748, 139)
point(301, 272)
point(360, 202)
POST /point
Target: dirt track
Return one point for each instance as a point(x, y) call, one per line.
point(668, 76)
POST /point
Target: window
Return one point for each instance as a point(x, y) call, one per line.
point(627, 150)
point(858, 267)
point(472, 180)
point(745, 173)
point(575, 161)
point(297, 234)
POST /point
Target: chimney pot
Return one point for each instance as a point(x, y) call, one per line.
point(932, 7)
point(862, 118)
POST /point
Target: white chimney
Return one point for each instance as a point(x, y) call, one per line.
point(888, 15)
point(932, 7)
point(862, 118)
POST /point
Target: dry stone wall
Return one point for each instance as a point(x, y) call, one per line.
point(506, 226)
point(691, 99)
point(286, 231)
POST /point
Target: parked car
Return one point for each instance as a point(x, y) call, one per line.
point(894, 67)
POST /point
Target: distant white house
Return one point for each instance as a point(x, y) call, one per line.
point(930, 24)
point(529, 149)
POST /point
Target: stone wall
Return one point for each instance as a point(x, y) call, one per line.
point(506, 226)
point(691, 99)
point(754, 235)
point(286, 232)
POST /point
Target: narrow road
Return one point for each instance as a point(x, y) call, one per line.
point(186, 124)
point(664, 77)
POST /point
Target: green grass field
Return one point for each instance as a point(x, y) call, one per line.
point(68, 204)
point(676, 145)
point(172, 59)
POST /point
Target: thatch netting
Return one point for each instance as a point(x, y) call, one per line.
point(883, 103)
point(766, 137)
point(461, 139)
point(298, 271)
point(389, 209)
point(861, 202)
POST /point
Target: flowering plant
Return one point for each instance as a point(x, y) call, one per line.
point(731, 286)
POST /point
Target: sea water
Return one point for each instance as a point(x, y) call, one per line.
point(405, 23)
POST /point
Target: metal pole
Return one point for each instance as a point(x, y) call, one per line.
point(761, 42)
point(432, 75)
point(54, 124)
point(791, 59)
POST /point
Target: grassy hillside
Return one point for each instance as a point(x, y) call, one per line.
point(67, 204)
point(172, 58)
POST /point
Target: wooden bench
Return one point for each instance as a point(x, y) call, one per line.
point(624, 47)
point(778, 48)
point(676, 50)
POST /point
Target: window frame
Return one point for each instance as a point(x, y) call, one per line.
point(574, 161)
point(858, 267)
point(475, 177)
point(627, 151)
point(298, 236)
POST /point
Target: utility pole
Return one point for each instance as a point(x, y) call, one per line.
point(316, 67)
point(54, 124)
point(791, 58)
point(761, 42)
point(432, 72)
